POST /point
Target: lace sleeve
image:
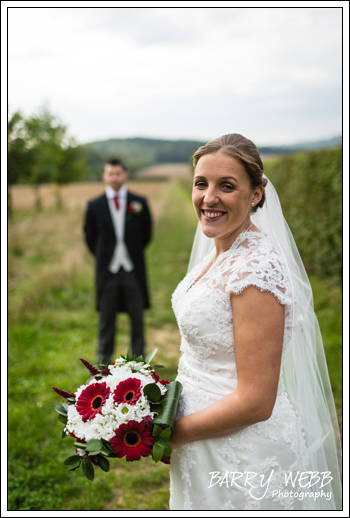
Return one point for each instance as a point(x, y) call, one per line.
point(263, 269)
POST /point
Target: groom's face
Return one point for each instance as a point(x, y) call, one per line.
point(114, 176)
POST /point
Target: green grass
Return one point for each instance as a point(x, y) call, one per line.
point(52, 323)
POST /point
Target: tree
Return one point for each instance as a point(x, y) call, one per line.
point(45, 137)
point(18, 156)
point(72, 167)
point(39, 151)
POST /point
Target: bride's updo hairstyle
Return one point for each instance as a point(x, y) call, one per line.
point(243, 150)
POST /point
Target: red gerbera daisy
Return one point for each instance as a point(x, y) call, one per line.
point(133, 439)
point(92, 399)
point(128, 391)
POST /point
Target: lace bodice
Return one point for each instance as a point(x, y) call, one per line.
point(202, 305)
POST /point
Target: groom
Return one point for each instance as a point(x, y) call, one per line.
point(117, 229)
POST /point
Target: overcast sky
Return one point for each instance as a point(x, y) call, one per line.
point(272, 74)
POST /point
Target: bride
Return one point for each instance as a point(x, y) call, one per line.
point(256, 427)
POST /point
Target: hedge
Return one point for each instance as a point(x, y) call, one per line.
point(310, 189)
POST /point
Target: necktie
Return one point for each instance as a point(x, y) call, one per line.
point(116, 201)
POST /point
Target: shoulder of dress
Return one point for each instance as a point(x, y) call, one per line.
point(255, 249)
point(257, 263)
point(256, 243)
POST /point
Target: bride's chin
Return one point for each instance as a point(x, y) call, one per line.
point(208, 232)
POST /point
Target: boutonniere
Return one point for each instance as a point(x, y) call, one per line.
point(135, 207)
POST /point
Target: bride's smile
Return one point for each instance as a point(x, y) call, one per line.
point(212, 215)
point(222, 198)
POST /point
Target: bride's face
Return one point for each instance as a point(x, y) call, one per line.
point(222, 197)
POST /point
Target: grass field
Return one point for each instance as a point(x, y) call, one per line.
point(52, 323)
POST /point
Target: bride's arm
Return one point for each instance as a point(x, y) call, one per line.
point(258, 326)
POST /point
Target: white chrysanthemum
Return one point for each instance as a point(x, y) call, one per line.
point(162, 388)
point(81, 453)
point(138, 366)
point(125, 413)
point(101, 427)
point(118, 362)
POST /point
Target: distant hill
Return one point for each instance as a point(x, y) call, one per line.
point(302, 146)
point(139, 153)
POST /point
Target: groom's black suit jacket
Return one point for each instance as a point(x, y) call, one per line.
point(101, 239)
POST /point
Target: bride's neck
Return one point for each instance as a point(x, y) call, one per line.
point(223, 244)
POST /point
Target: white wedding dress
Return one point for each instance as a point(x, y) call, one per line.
point(246, 470)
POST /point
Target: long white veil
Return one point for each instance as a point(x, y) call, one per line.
point(304, 368)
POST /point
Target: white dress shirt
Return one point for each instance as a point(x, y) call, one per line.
point(120, 255)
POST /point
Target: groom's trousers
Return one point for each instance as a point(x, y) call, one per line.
point(120, 286)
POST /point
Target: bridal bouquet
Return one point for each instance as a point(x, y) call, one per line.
point(123, 410)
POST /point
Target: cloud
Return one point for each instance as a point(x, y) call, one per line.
point(153, 26)
point(180, 71)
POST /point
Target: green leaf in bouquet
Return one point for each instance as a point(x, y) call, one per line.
point(155, 407)
point(74, 467)
point(72, 461)
point(158, 367)
point(157, 430)
point(106, 445)
point(167, 448)
point(108, 453)
point(165, 433)
point(150, 355)
point(94, 445)
point(105, 453)
point(61, 410)
point(80, 445)
point(168, 404)
point(103, 463)
point(99, 365)
point(62, 418)
point(152, 392)
point(64, 435)
point(88, 469)
point(158, 451)
point(140, 359)
point(129, 356)
point(107, 450)
point(65, 405)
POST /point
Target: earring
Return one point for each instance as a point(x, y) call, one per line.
point(253, 203)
